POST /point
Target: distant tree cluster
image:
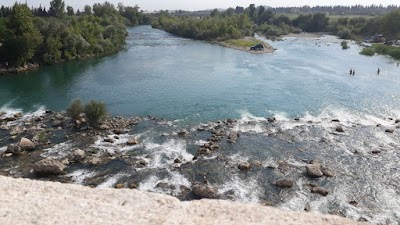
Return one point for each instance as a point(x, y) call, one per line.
point(57, 34)
point(338, 10)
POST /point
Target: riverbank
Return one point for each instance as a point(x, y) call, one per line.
point(295, 157)
point(245, 43)
point(27, 67)
point(54, 203)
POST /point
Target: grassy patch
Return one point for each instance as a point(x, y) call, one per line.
point(369, 51)
point(382, 49)
point(242, 42)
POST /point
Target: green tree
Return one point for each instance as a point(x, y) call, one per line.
point(70, 11)
point(22, 37)
point(57, 8)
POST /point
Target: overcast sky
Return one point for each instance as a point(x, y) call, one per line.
point(151, 5)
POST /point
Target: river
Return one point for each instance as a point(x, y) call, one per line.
point(304, 84)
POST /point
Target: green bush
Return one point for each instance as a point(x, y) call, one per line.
point(368, 51)
point(344, 33)
point(95, 112)
point(395, 53)
point(75, 109)
point(344, 45)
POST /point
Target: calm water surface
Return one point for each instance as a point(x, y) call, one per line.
point(180, 79)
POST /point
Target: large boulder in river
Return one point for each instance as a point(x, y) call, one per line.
point(314, 170)
point(204, 191)
point(26, 144)
point(49, 166)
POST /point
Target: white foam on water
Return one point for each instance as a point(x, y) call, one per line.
point(8, 110)
point(3, 149)
point(163, 155)
point(111, 181)
point(237, 158)
point(175, 181)
point(247, 190)
point(58, 151)
point(200, 142)
point(389, 204)
point(79, 176)
point(295, 201)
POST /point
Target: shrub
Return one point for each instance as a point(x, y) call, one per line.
point(95, 112)
point(368, 51)
point(75, 109)
point(344, 34)
point(344, 45)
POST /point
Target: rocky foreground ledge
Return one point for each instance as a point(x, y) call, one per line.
point(26, 201)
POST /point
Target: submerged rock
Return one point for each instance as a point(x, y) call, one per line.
point(320, 190)
point(49, 166)
point(339, 129)
point(204, 191)
point(283, 183)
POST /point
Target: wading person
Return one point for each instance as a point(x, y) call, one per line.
point(379, 71)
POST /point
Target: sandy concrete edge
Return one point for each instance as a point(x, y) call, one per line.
point(24, 201)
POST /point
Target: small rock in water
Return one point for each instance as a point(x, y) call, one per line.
point(339, 129)
point(244, 166)
point(327, 172)
point(13, 149)
point(177, 160)
point(313, 170)
point(132, 186)
point(26, 144)
point(119, 186)
point(307, 207)
point(271, 119)
point(320, 190)
point(284, 183)
point(78, 155)
point(376, 152)
point(397, 121)
point(133, 141)
point(353, 202)
point(49, 166)
point(95, 161)
point(183, 132)
point(255, 163)
point(336, 120)
point(204, 191)
point(119, 131)
point(56, 123)
point(109, 140)
point(7, 155)
point(389, 131)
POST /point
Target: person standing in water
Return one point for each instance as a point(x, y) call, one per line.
point(351, 71)
point(354, 72)
point(379, 71)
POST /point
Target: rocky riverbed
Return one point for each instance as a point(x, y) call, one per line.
point(327, 165)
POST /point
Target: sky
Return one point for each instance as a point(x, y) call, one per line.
point(151, 5)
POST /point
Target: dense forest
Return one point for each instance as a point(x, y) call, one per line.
point(235, 23)
point(60, 34)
